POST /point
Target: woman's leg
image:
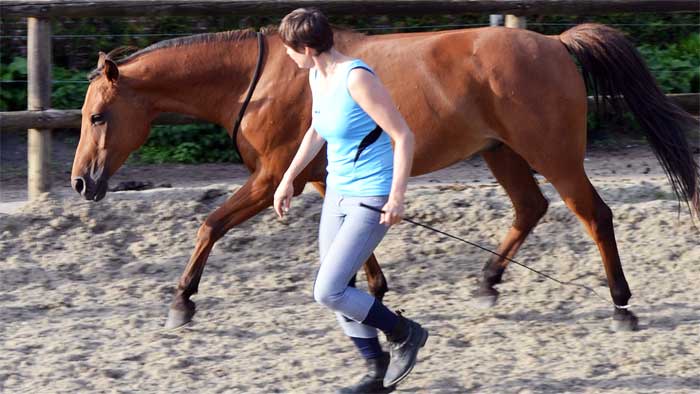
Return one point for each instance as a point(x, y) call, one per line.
point(358, 235)
point(364, 337)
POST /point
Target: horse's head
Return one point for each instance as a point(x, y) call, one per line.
point(115, 122)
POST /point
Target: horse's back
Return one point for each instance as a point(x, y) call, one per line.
point(461, 91)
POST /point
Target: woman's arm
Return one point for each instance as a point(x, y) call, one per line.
point(370, 94)
point(310, 145)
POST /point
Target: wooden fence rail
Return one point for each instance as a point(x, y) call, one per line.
point(71, 118)
point(77, 8)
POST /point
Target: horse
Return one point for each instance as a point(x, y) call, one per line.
point(513, 96)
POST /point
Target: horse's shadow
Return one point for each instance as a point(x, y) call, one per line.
point(539, 383)
point(651, 316)
point(542, 384)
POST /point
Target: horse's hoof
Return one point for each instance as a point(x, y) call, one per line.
point(178, 318)
point(624, 321)
point(485, 298)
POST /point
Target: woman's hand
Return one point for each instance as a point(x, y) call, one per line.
point(393, 212)
point(283, 197)
point(309, 148)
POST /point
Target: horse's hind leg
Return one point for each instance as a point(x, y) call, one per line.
point(581, 197)
point(376, 282)
point(514, 174)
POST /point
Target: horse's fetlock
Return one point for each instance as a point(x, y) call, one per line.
point(378, 289)
point(182, 302)
point(621, 296)
point(492, 275)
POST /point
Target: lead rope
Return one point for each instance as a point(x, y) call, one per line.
point(563, 283)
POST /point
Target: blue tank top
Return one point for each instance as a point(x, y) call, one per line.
point(360, 155)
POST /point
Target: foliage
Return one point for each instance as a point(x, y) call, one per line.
point(193, 143)
point(70, 91)
point(647, 28)
point(67, 93)
point(13, 96)
point(675, 65)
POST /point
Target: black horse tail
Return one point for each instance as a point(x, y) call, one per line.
point(613, 67)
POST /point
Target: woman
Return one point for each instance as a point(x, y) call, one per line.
point(354, 114)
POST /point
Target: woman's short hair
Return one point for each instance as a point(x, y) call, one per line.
point(306, 27)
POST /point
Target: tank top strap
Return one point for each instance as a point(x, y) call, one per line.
point(357, 63)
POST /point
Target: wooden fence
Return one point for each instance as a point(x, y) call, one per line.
point(78, 8)
point(40, 119)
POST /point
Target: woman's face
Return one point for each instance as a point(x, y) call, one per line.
point(303, 60)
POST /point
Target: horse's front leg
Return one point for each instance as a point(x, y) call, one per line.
point(254, 196)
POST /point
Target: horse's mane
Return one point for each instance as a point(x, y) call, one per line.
point(204, 38)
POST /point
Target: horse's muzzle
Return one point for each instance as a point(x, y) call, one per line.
point(89, 188)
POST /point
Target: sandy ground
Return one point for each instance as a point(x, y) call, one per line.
point(88, 286)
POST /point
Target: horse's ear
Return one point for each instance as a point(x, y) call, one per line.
point(111, 71)
point(108, 67)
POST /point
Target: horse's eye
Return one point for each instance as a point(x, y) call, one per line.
point(97, 119)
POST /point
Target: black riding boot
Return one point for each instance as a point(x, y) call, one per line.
point(404, 342)
point(371, 383)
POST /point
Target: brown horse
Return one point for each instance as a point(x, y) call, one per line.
point(514, 96)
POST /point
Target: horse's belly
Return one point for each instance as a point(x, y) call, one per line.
point(434, 155)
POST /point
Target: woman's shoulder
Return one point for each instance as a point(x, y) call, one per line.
point(358, 70)
point(354, 63)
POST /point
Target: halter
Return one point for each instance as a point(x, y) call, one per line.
point(251, 88)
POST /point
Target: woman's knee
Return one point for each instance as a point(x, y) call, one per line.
point(327, 297)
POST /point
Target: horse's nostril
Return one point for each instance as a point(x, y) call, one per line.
point(79, 185)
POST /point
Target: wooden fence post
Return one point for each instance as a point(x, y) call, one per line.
point(38, 98)
point(495, 20)
point(518, 22)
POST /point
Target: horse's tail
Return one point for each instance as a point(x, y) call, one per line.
point(613, 67)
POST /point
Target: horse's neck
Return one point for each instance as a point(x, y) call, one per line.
point(207, 81)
